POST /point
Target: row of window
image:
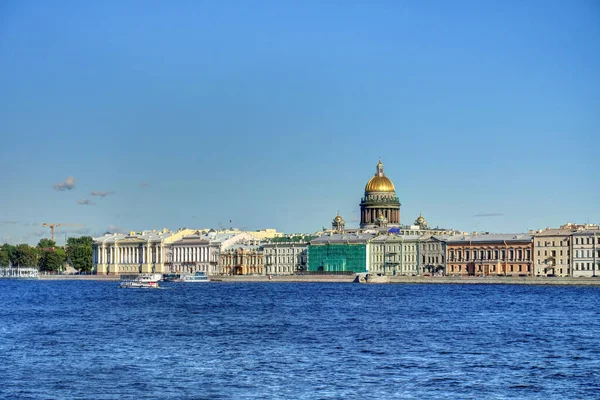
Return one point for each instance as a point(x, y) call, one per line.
point(586, 267)
point(585, 253)
point(490, 255)
point(492, 268)
point(588, 240)
point(582, 240)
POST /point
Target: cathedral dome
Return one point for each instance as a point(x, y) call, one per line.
point(338, 218)
point(380, 182)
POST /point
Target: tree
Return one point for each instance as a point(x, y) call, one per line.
point(79, 253)
point(4, 257)
point(52, 260)
point(25, 256)
point(9, 250)
point(46, 243)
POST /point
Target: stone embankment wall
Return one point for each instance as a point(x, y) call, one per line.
point(350, 278)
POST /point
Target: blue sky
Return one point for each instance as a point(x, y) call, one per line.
point(273, 114)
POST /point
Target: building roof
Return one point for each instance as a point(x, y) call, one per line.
point(554, 232)
point(342, 238)
point(491, 238)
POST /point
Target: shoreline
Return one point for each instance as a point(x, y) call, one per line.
point(426, 280)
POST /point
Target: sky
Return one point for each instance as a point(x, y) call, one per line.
point(134, 115)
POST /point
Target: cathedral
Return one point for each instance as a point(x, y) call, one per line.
point(379, 207)
point(380, 211)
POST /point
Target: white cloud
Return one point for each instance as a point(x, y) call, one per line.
point(85, 202)
point(102, 193)
point(68, 184)
point(144, 184)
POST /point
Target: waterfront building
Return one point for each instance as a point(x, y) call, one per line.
point(242, 259)
point(433, 255)
point(393, 254)
point(200, 252)
point(339, 253)
point(379, 199)
point(489, 254)
point(135, 252)
point(586, 253)
point(285, 258)
point(410, 255)
point(552, 252)
point(385, 254)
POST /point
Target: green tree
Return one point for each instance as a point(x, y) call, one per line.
point(4, 257)
point(79, 253)
point(25, 256)
point(9, 250)
point(52, 260)
point(46, 243)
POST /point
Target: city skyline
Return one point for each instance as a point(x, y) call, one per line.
point(275, 116)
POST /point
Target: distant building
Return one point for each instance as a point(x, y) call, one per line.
point(242, 259)
point(285, 258)
point(552, 252)
point(385, 254)
point(379, 201)
point(339, 253)
point(136, 252)
point(586, 253)
point(200, 252)
point(432, 255)
point(489, 254)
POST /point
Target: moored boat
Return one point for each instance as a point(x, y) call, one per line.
point(140, 281)
point(197, 277)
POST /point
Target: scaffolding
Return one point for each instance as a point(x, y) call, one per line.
point(337, 258)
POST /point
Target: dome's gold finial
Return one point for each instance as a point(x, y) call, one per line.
point(380, 182)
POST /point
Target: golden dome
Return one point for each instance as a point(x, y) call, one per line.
point(380, 182)
point(338, 218)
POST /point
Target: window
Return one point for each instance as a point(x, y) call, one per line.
point(576, 240)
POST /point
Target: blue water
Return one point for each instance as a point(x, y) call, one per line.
point(92, 340)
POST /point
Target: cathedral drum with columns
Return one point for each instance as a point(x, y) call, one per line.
point(379, 201)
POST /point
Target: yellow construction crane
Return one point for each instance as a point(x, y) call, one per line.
point(52, 226)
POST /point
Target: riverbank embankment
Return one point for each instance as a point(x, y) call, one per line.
point(460, 280)
point(418, 279)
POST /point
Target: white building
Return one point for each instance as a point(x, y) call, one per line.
point(200, 252)
point(136, 252)
point(586, 253)
point(285, 258)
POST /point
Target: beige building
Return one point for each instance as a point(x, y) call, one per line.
point(552, 252)
point(135, 252)
point(242, 259)
point(200, 251)
point(285, 258)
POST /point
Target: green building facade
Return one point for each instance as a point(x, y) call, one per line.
point(338, 253)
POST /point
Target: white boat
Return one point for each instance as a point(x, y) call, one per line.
point(140, 281)
point(197, 277)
